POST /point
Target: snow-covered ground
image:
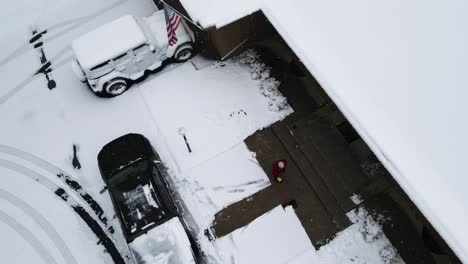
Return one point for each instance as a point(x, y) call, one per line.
point(216, 108)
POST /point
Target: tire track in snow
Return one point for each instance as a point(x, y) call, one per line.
point(68, 24)
point(5, 97)
point(42, 222)
point(60, 192)
point(63, 176)
point(28, 236)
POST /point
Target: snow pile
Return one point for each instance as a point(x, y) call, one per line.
point(368, 226)
point(370, 245)
point(268, 85)
point(356, 198)
point(165, 244)
point(361, 243)
point(390, 255)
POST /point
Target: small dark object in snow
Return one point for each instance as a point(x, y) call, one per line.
point(62, 194)
point(292, 203)
point(51, 84)
point(38, 45)
point(103, 190)
point(208, 235)
point(75, 162)
point(238, 113)
point(37, 36)
point(182, 132)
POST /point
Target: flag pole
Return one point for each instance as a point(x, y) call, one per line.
point(182, 15)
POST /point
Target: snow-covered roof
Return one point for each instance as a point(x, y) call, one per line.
point(219, 13)
point(398, 71)
point(108, 41)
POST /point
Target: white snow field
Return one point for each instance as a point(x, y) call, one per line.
point(397, 70)
point(216, 108)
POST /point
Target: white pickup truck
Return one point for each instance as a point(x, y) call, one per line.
point(111, 57)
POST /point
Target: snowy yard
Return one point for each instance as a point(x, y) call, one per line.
point(216, 108)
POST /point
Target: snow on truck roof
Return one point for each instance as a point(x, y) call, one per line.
point(108, 41)
point(398, 71)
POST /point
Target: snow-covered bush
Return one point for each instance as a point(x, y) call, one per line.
point(370, 229)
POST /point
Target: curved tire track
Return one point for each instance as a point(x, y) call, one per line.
point(60, 192)
point(67, 26)
point(28, 236)
point(42, 222)
point(64, 176)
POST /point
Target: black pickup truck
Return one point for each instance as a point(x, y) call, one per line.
point(133, 173)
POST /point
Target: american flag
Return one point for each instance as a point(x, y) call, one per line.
point(173, 22)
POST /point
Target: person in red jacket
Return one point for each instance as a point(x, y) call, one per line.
point(278, 169)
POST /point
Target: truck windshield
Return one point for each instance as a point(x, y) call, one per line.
point(130, 176)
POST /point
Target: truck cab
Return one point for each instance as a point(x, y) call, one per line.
point(112, 56)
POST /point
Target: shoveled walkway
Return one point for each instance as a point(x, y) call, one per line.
point(320, 177)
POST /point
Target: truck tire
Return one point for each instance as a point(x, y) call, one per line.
point(116, 86)
point(184, 52)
